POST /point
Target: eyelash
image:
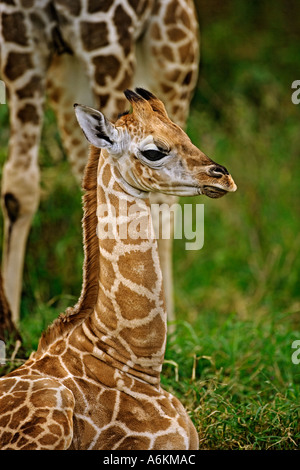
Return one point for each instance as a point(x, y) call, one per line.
point(153, 155)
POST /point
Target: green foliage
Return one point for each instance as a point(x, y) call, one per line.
point(237, 299)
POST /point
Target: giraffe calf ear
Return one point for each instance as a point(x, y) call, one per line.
point(97, 129)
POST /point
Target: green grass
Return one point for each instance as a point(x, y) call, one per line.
point(237, 300)
point(236, 378)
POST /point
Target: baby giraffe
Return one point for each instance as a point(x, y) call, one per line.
point(94, 382)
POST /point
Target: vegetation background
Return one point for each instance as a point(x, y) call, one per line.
point(237, 299)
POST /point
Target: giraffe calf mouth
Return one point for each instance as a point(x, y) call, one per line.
point(213, 191)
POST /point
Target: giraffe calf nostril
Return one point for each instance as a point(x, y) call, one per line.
point(218, 171)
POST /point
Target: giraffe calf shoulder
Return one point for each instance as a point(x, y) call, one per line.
point(36, 413)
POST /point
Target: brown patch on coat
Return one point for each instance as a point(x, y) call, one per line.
point(107, 273)
point(50, 365)
point(171, 16)
point(72, 364)
point(167, 53)
point(176, 34)
point(167, 442)
point(155, 32)
point(106, 68)
point(98, 5)
point(39, 398)
point(103, 100)
point(94, 35)
point(19, 415)
point(17, 64)
point(134, 442)
point(123, 24)
point(28, 114)
point(133, 305)
point(141, 417)
point(109, 438)
point(27, 3)
point(186, 53)
point(13, 28)
point(138, 267)
point(106, 175)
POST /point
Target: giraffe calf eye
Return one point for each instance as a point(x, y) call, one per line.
point(153, 155)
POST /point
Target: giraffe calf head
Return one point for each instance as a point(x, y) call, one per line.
point(151, 152)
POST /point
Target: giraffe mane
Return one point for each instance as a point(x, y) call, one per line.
point(90, 285)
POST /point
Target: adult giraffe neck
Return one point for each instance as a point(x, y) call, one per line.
point(129, 317)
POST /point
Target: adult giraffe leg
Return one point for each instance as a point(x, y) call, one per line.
point(67, 83)
point(23, 73)
point(20, 194)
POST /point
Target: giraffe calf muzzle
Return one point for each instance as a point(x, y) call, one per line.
point(221, 182)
